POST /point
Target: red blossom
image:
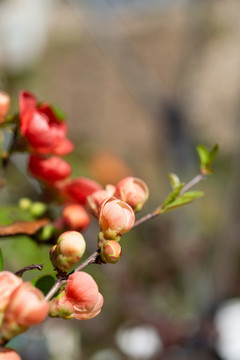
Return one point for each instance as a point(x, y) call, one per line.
point(50, 169)
point(79, 189)
point(43, 130)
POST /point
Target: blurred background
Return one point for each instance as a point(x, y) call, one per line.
point(142, 83)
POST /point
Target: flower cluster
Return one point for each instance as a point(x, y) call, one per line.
point(79, 299)
point(21, 305)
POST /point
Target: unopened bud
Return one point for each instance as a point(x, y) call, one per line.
point(38, 208)
point(26, 307)
point(115, 218)
point(46, 232)
point(8, 354)
point(133, 191)
point(94, 201)
point(25, 203)
point(8, 283)
point(111, 251)
point(68, 251)
point(76, 217)
point(4, 105)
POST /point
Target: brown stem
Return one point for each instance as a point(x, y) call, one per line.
point(27, 268)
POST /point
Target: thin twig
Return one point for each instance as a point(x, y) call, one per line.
point(193, 182)
point(27, 268)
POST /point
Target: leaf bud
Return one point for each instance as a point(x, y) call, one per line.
point(111, 251)
point(25, 203)
point(115, 217)
point(133, 191)
point(37, 209)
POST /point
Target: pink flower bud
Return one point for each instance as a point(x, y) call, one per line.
point(111, 251)
point(76, 217)
point(8, 354)
point(79, 315)
point(26, 307)
point(79, 299)
point(68, 251)
point(95, 200)
point(115, 217)
point(8, 283)
point(133, 191)
point(49, 169)
point(82, 291)
point(4, 105)
point(79, 189)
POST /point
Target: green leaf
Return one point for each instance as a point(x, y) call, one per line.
point(10, 214)
point(213, 153)
point(44, 283)
point(203, 154)
point(172, 196)
point(1, 260)
point(206, 158)
point(60, 114)
point(174, 180)
point(184, 199)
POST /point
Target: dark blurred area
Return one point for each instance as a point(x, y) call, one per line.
point(142, 83)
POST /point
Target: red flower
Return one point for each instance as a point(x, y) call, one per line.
point(49, 169)
point(44, 131)
point(79, 189)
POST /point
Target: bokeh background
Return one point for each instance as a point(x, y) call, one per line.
point(142, 83)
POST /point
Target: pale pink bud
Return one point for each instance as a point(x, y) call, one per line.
point(95, 200)
point(133, 191)
point(8, 283)
point(115, 217)
point(111, 251)
point(4, 105)
point(79, 315)
point(76, 217)
point(8, 354)
point(68, 251)
point(26, 307)
point(82, 291)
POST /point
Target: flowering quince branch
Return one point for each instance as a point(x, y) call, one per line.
point(40, 130)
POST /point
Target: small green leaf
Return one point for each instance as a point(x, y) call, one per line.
point(213, 153)
point(44, 283)
point(174, 180)
point(203, 154)
point(172, 196)
point(60, 114)
point(184, 199)
point(1, 260)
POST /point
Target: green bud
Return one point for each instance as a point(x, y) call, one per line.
point(46, 232)
point(38, 208)
point(25, 203)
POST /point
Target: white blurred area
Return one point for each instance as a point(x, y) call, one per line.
point(23, 32)
point(227, 322)
point(139, 342)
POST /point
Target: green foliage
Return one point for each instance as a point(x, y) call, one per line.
point(9, 214)
point(59, 113)
point(1, 260)
point(44, 283)
point(206, 158)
